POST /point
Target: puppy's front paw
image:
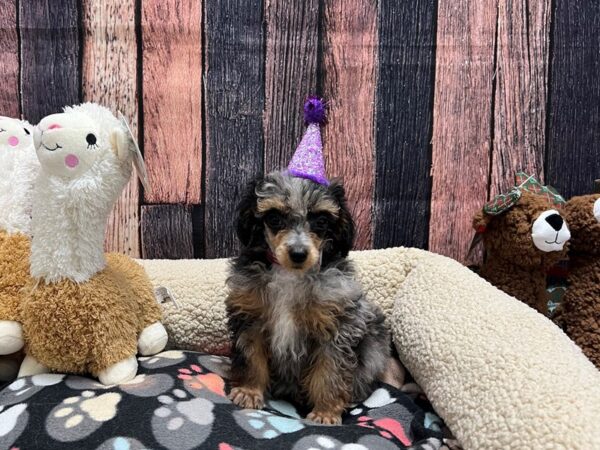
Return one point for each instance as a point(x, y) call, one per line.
point(325, 417)
point(245, 397)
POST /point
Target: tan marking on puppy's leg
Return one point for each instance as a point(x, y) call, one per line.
point(328, 390)
point(253, 378)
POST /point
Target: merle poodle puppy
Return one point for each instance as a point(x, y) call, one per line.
point(301, 325)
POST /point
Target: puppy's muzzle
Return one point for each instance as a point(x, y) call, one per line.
point(298, 254)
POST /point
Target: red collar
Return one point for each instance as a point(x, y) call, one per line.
point(272, 258)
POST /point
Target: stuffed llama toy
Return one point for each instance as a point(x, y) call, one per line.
point(18, 169)
point(579, 313)
point(524, 234)
point(84, 312)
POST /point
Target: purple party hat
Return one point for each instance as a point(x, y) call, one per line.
point(308, 161)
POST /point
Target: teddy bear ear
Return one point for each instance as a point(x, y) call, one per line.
point(120, 143)
point(481, 221)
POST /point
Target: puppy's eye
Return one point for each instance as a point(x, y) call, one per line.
point(319, 222)
point(274, 221)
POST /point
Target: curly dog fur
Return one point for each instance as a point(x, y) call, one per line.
point(580, 310)
point(301, 325)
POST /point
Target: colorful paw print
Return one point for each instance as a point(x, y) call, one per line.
point(164, 359)
point(182, 423)
point(387, 427)
point(79, 416)
point(321, 442)
point(204, 384)
point(264, 425)
point(26, 387)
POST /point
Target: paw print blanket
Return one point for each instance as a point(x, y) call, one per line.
point(178, 401)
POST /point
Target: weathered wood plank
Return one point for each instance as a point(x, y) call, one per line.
point(573, 154)
point(167, 232)
point(290, 75)
point(235, 95)
point(521, 91)
point(404, 122)
point(109, 77)
point(9, 52)
point(350, 53)
point(50, 52)
point(466, 36)
point(172, 78)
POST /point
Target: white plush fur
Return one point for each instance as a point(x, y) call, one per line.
point(501, 375)
point(19, 167)
point(118, 373)
point(71, 205)
point(153, 339)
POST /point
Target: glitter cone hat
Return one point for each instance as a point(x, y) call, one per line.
point(308, 161)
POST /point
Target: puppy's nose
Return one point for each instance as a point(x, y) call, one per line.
point(555, 221)
point(298, 255)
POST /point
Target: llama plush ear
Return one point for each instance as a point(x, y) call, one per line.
point(134, 148)
point(120, 144)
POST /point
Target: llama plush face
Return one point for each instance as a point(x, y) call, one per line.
point(68, 144)
point(14, 134)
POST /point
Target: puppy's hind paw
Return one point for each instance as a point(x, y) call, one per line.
point(249, 398)
point(324, 417)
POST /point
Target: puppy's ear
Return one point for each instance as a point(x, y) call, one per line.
point(343, 235)
point(249, 228)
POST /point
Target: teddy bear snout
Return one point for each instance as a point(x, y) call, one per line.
point(550, 231)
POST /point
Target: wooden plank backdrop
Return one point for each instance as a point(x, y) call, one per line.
point(433, 104)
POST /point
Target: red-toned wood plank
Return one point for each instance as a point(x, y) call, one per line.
point(167, 232)
point(521, 91)
point(404, 116)
point(109, 77)
point(235, 100)
point(350, 51)
point(573, 154)
point(50, 53)
point(292, 35)
point(466, 36)
point(9, 52)
point(172, 76)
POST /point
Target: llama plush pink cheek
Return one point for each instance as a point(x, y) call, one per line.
point(13, 141)
point(71, 161)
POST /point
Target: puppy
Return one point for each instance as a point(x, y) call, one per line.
point(301, 324)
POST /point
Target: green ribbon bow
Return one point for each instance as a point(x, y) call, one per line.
point(523, 182)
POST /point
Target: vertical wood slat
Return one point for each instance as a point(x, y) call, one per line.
point(292, 35)
point(466, 36)
point(172, 95)
point(573, 154)
point(349, 60)
point(9, 53)
point(521, 91)
point(235, 94)
point(109, 77)
point(404, 116)
point(50, 56)
point(167, 232)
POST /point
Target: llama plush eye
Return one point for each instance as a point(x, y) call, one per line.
point(26, 131)
point(274, 221)
point(91, 140)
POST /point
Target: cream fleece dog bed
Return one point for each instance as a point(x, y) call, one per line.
point(500, 374)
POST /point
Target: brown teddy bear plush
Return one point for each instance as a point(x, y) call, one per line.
point(524, 235)
point(579, 314)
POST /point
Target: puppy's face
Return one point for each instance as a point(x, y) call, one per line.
point(302, 223)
